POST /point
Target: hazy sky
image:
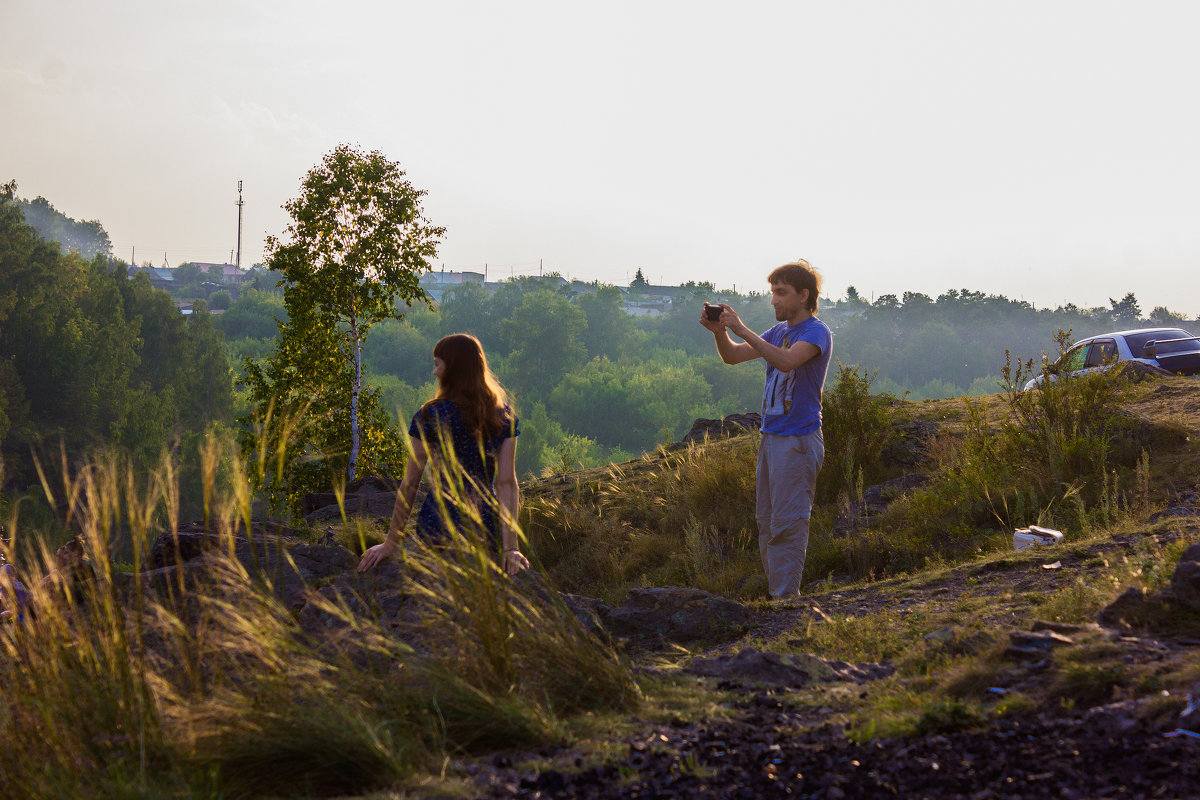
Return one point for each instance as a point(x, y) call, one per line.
point(1048, 150)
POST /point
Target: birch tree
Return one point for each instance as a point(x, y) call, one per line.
point(357, 245)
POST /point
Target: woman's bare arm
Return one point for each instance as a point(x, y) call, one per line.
point(401, 511)
point(508, 492)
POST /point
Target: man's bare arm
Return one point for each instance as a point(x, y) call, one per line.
point(784, 359)
point(731, 352)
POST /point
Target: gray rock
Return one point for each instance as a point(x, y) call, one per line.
point(875, 500)
point(1131, 605)
point(777, 669)
point(1175, 512)
point(1185, 581)
point(677, 615)
point(1061, 627)
point(288, 567)
point(1045, 641)
point(908, 446)
point(726, 426)
point(941, 636)
point(669, 614)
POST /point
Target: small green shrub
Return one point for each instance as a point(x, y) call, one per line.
point(858, 427)
point(1087, 685)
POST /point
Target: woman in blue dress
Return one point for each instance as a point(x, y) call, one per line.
point(469, 432)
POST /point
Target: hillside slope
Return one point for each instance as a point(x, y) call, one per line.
point(1050, 672)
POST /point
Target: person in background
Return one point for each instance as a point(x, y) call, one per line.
point(14, 599)
point(468, 427)
point(71, 573)
point(797, 352)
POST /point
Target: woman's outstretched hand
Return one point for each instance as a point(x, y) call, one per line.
point(514, 562)
point(374, 555)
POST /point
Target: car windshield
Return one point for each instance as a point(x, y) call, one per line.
point(1137, 341)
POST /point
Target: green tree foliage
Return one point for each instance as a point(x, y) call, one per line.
point(608, 332)
point(188, 274)
point(1125, 312)
point(603, 381)
point(256, 315)
point(1165, 317)
point(357, 245)
point(930, 347)
point(90, 357)
point(467, 308)
point(88, 239)
point(631, 404)
point(543, 333)
point(397, 347)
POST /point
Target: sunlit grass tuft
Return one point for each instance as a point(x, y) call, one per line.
point(198, 681)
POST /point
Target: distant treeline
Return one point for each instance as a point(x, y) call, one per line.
point(90, 358)
point(593, 383)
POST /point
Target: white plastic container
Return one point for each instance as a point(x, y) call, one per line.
point(1035, 535)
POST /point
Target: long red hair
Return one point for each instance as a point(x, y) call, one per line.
point(468, 381)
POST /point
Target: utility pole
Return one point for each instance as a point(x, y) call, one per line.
point(240, 203)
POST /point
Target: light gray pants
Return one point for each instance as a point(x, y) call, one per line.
point(786, 481)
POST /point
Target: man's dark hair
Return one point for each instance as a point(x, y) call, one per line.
point(799, 274)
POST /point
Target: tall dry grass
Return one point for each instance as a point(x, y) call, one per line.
point(1064, 455)
point(199, 682)
point(681, 517)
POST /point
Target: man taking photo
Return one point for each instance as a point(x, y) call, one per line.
point(797, 352)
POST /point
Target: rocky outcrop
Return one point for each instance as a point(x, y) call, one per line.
point(874, 500)
point(667, 614)
point(1185, 581)
point(1186, 504)
point(751, 666)
point(1136, 608)
point(703, 429)
point(365, 497)
point(184, 558)
point(1140, 370)
point(908, 447)
point(1129, 610)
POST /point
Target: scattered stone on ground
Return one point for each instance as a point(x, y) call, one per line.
point(1184, 504)
point(767, 752)
point(751, 666)
point(1034, 645)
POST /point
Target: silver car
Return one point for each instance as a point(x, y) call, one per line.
point(1172, 349)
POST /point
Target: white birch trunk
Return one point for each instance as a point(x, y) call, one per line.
point(354, 389)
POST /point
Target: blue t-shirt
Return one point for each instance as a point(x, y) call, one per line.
point(441, 425)
point(792, 400)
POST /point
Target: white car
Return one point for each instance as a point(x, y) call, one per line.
point(1172, 349)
